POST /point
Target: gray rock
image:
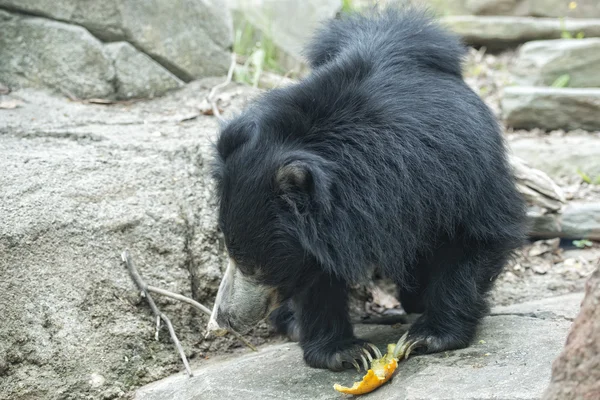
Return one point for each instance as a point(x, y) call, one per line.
point(560, 156)
point(510, 359)
point(577, 221)
point(521, 8)
point(497, 33)
point(137, 75)
point(100, 17)
point(551, 108)
point(566, 306)
point(80, 183)
point(576, 372)
point(189, 37)
point(43, 53)
point(540, 63)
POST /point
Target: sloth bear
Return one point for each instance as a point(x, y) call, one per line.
point(381, 159)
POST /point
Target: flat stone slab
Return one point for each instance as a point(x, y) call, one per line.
point(498, 33)
point(560, 156)
point(578, 220)
point(551, 108)
point(510, 359)
point(542, 62)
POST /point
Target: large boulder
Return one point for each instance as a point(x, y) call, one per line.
point(191, 38)
point(540, 63)
point(80, 183)
point(576, 372)
point(551, 108)
point(498, 33)
point(41, 52)
point(521, 8)
point(137, 75)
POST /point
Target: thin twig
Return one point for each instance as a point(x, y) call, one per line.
point(211, 100)
point(144, 288)
point(179, 297)
point(200, 307)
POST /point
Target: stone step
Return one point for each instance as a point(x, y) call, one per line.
point(560, 156)
point(510, 359)
point(498, 33)
point(541, 62)
point(579, 220)
point(551, 108)
point(522, 8)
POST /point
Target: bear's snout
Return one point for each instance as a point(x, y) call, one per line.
point(241, 302)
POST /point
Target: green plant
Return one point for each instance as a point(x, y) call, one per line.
point(562, 81)
point(565, 34)
point(588, 179)
point(260, 53)
point(347, 6)
point(582, 244)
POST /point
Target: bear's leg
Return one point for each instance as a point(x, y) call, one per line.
point(412, 294)
point(326, 334)
point(284, 321)
point(455, 298)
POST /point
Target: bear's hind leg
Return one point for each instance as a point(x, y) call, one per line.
point(455, 298)
point(326, 334)
point(284, 321)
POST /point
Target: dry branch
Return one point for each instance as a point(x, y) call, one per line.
point(213, 92)
point(537, 187)
point(200, 307)
point(144, 288)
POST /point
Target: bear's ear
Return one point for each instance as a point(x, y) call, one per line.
point(304, 178)
point(294, 176)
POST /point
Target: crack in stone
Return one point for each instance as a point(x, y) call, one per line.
point(125, 38)
point(544, 315)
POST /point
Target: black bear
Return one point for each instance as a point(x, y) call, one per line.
point(382, 158)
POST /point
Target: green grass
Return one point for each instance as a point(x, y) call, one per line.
point(582, 244)
point(260, 52)
point(562, 81)
point(565, 34)
point(588, 179)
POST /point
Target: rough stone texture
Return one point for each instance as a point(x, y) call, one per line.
point(577, 221)
point(189, 37)
point(80, 183)
point(510, 359)
point(566, 306)
point(540, 63)
point(551, 108)
point(43, 53)
point(522, 8)
point(497, 33)
point(576, 372)
point(137, 75)
point(272, 18)
point(560, 156)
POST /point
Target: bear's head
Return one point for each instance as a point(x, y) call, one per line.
point(270, 195)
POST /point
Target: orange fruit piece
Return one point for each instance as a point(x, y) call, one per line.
point(381, 371)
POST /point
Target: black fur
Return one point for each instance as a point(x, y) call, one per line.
point(381, 158)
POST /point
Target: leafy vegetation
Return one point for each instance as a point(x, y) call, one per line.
point(582, 244)
point(562, 81)
point(258, 51)
point(588, 179)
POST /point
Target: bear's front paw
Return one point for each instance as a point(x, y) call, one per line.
point(340, 355)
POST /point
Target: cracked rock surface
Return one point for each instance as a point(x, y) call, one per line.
point(80, 183)
point(60, 45)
